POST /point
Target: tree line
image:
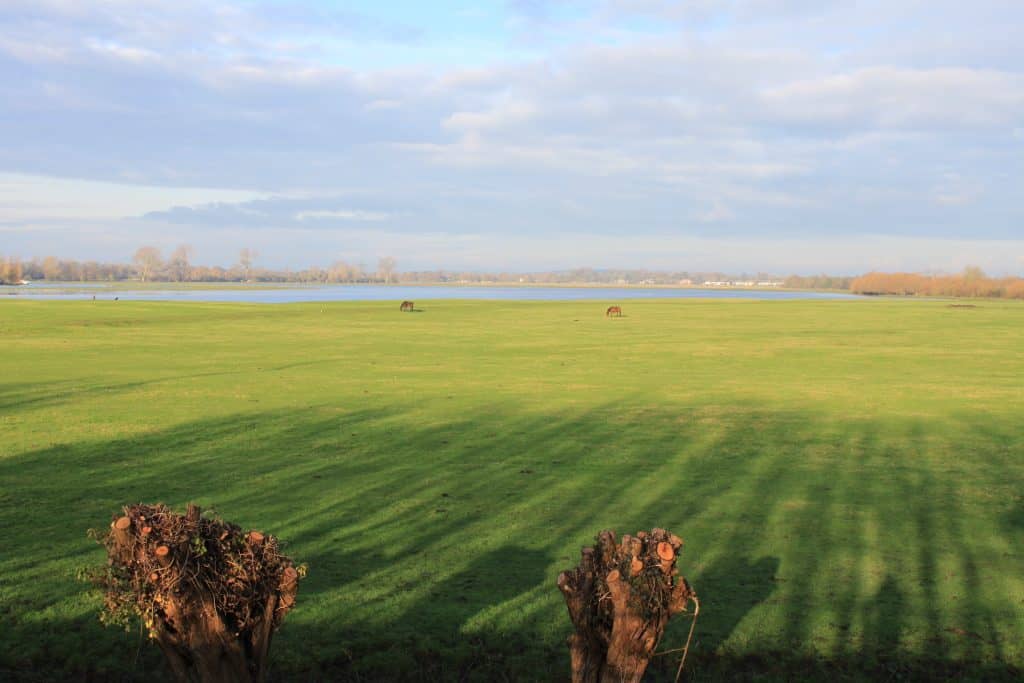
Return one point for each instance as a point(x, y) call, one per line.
point(11, 271)
point(150, 265)
point(602, 276)
point(840, 282)
point(972, 282)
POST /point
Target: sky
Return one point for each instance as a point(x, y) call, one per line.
point(784, 136)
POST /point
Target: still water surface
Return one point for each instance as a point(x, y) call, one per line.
point(280, 294)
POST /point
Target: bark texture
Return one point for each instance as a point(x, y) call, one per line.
point(620, 599)
point(210, 595)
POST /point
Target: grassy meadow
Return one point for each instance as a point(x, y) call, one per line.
point(848, 476)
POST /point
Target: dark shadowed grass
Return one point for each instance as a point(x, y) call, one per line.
point(848, 477)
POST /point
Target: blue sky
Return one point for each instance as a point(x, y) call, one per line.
point(776, 135)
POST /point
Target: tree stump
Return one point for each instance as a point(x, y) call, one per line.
point(209, 594)
point(620, 599)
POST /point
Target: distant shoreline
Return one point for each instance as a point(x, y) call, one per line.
point(214, 285)
point(271, 293)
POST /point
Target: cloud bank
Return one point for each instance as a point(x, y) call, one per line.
point(762, 134)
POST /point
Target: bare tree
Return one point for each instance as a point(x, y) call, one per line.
point(51, 268)
point(178, 264)
point(10, 272)
point(386, 268)
point(340, 272)
point(973, 274)
point(147, 259)
point(245, 260)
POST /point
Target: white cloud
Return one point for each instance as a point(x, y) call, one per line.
point(341, 214)
point(716, 214)
point(502, 116)
point(33, 198)
point(893, 97)
point(753, 119)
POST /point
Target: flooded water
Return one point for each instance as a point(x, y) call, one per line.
point(281, 294)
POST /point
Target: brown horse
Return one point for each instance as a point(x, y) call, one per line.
point(613, 311)
point(408, 306)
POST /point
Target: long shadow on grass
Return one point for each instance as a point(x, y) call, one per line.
point(440, 637)
point(819, 547)
point(1015, 517)
point(17, 396)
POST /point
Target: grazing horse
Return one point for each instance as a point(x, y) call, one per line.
point(408, 306)
point(613, 311)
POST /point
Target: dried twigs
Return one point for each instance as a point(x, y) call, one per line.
point(210, 594)
point(620, 599)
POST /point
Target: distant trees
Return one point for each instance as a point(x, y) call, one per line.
point(147, 260)
point(51, 268)
point(386, 269)
point(573, 276)
point(341, 271)
point(147, 265)
point(10, 271)
point(54, 269)
point(178, 265)
point(972, 282)
point(245, 259)
point(817, 282)
point(973, 274)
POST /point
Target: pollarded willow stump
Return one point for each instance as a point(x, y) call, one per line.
point(620, 599)
point(210, 594)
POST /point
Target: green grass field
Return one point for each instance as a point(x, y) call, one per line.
point(848, 476)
